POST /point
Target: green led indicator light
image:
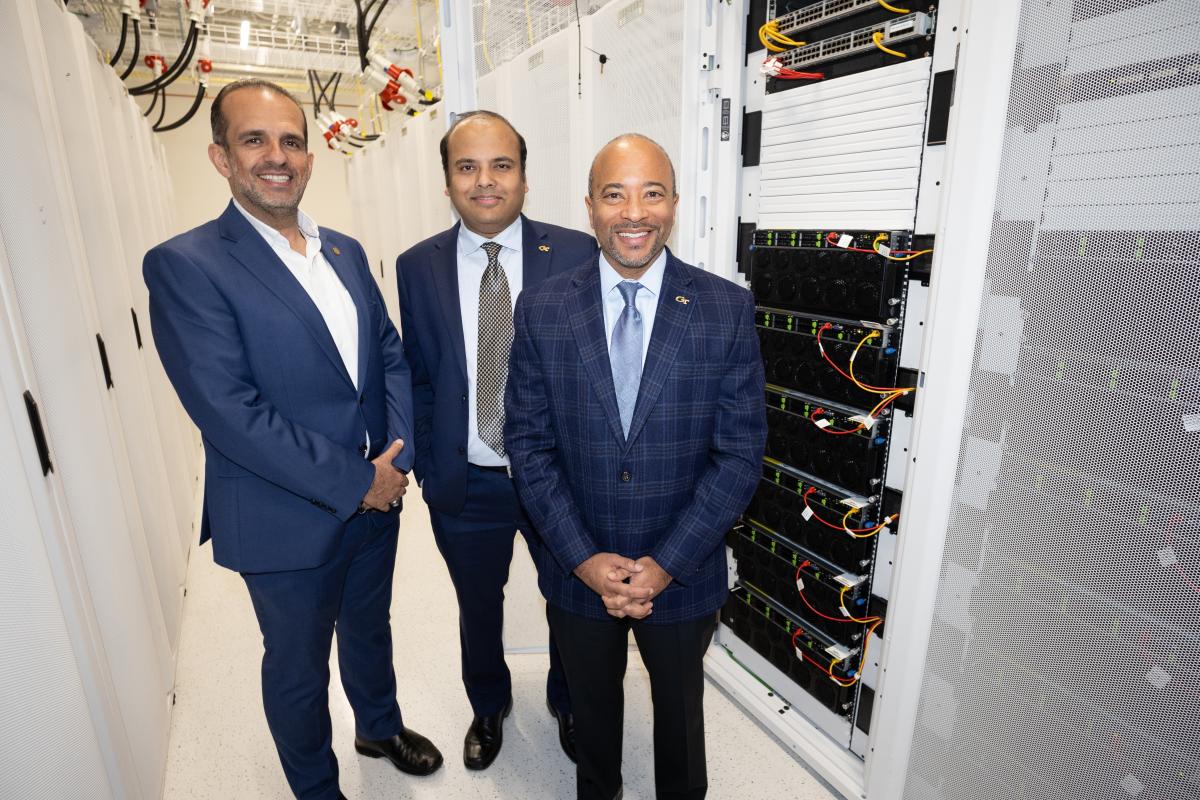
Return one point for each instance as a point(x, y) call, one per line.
point(1087, 498)
point(1174, 393)
point(1141, 248)
point(1062, 365)
point(1145, 516)
point(1082, 244)
point(1112, 383)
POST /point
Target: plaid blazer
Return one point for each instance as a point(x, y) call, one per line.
point(694, 453)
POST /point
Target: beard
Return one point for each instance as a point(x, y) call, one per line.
point(611, 247)
point(273, 205)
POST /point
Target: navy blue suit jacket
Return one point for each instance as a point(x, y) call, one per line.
point(693, 457)
point(256, 369)
point(431, 320)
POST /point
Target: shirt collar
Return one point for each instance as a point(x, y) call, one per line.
point(651, 279)
point(469, 241)
point(276, 239)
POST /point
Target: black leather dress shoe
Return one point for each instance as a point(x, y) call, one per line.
point(484, 738)
point(408, 751)
point(566, 730)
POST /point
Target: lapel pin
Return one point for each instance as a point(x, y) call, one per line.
point(336, 251)
point(681, 299)
point(545, 248)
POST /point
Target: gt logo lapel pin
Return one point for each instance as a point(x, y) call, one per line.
point(336, 251)
point(545, 248)
point(681, 299)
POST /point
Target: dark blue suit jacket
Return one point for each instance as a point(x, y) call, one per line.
point(257, 370)
point(695, 446)
point(433, 339)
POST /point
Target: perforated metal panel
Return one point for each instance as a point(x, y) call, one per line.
point(640, 88)
point(506, 28)
point(1064, 660)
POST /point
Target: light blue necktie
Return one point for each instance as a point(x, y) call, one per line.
point(625, 353)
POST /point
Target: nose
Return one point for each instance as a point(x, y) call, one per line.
point(275, 153)
point(633, 209)
point(484, 178)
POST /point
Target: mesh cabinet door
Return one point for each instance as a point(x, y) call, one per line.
point(1064, 657)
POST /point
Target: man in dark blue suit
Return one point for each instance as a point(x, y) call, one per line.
point(277, 341)
point(636, 428)
point(456, 294)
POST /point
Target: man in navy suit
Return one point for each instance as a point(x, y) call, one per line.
point(456, 294)
point(636, 428)
point(277, 341)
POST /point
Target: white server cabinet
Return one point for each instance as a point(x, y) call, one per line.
point(91, 507)
point(105, 273)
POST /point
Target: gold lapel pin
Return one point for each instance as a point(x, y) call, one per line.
point(681, 299)
point(336, 251)
point(545, 248)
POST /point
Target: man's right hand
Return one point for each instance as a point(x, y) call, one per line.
point(389, 483)
point(605, 574)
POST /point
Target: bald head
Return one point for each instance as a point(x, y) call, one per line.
point(624, 145)
point(631, 202)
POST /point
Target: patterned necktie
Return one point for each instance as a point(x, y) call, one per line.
point(495, 343)
point(625, 353)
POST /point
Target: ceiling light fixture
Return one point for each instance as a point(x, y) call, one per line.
point(245, 39)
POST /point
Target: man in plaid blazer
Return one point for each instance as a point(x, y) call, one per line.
point(635, 427)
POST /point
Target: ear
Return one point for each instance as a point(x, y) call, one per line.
point(220, 159)
point(446, 191)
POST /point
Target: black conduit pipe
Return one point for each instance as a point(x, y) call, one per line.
point(137, 48)
point(191, 112)
point(181, 63)
point(154, 103)
point(121, 44)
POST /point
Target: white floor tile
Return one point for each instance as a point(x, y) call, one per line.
point(221, 748)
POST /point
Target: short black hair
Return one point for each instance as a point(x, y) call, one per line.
point(444, 145)
point(220, 125)
point(644, 138)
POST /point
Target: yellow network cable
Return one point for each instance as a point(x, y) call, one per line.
point(775, 41)
point(877, 38)
point(893, 9)
point(890, 257)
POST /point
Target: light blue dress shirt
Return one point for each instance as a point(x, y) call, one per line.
point(646, 301)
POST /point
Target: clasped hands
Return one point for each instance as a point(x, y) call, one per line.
point(388, 486)
point(626, 586)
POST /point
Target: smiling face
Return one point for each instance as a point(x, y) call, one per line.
point(632, 203)
point(264, 156)
point(484, 180)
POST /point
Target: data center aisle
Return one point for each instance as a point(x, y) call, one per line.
point(220, 746)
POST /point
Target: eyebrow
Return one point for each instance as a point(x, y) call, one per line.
point(649, 184)
point(260, 133)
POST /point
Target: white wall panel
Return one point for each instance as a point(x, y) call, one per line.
point(845, 153)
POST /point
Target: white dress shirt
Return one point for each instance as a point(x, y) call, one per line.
point(472, 262)
point(319, 281)
point(646, 299)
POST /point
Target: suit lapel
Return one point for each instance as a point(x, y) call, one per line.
point(670, 323)
point(340, 261)
point(537, 252)
point(586, 313)
point(444, 268)
point(252, 251)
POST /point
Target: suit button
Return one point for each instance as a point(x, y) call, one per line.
point(464, 398)
point(462, 451)
point(626, 477)
point(362, 448)
point(360, 400)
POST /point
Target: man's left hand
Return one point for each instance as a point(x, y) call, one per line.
point(652, 577)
